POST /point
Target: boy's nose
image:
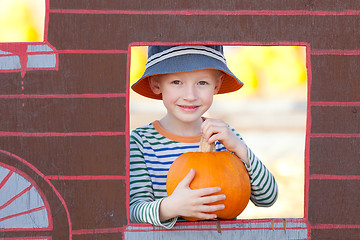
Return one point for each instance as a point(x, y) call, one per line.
point(189, 93)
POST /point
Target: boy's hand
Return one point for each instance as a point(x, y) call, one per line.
point(217, 130)
point(190, 203)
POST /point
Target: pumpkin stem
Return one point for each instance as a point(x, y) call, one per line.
point(205, 147)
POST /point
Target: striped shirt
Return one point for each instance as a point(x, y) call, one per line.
point(152, 151)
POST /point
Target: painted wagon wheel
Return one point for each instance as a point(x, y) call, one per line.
point(25, 209)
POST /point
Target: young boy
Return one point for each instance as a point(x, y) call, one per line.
point(185, 78)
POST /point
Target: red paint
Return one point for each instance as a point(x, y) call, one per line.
point(33, 184)
point(224, 222)
point(85, 178)
point(30, 53)
point(150, 228)
point(334, 135)
point(40, 192)
point(16, 197)
point(57, 134)
point(92, 51)
point(301, 44)
point(35, 238)
point(42, 96)
point(27, 70)
point(18, 49)
point(214, 229)
point(335, 52)
point(6, 179)
point(334, 226)
point(22, 213)
point(127, 131)
point(209, 12)
point(46, 22)
point(308, 132)
point(307, 144)
point(341, 104)
point(335, 177)
point(99, 230)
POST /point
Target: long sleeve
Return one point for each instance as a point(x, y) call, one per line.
point(143, 206)
point(264, 189)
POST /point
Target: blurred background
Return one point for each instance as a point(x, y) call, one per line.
point(22, 20)
point(269, 111)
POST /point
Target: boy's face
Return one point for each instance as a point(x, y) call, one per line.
point(187, 96)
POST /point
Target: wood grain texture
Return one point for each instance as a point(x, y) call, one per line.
point(63, 115)
point(322, 32)
point(334, 202)
point(335, 78)
point(10, 83)
point(98, 236)
point(206, 5)
point(205, 230)
point(71, 156)
point(335, 156)
point(335, 119)
point(94, 204)
point(335, 234)
point(80, 74)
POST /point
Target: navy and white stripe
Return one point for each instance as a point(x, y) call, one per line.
point(184, 50)
point(151, 155)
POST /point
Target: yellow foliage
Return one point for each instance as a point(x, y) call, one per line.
point(22, 20)
point(137, 63)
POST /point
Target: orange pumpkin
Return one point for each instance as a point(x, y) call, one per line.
point(214, 169)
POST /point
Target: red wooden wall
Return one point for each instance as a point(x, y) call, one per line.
point(68, 128)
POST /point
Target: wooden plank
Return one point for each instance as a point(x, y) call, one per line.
point(333, 78)
point(79, 73)
point(94, 204)
point(334, 202)
point(118, 31)
point(63, 115)
point(97, 236)
point(335, 234)
point(335, 119)
point(205, 5)
point(10, 83)
point(265, 229)
point(335, 156)
point(72, 155)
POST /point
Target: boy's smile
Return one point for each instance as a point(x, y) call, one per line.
point(186, 96)
point(189, 108)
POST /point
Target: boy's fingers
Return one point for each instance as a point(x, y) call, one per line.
point(207, 191)
point(188, 178)
point(211, 208)
point(205, 215)
point(212, 199)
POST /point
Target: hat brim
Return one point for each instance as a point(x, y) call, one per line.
point(186, 63)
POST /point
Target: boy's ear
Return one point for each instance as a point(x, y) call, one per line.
point(154, 85)
point(218, 84)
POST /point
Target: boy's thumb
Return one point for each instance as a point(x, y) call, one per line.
point(188, 178)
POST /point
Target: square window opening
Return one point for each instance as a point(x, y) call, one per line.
point(269, 112)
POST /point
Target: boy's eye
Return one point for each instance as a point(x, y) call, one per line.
point(176, 82)
point(202, 83)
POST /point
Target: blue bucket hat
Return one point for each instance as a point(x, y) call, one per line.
point(185, 58)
